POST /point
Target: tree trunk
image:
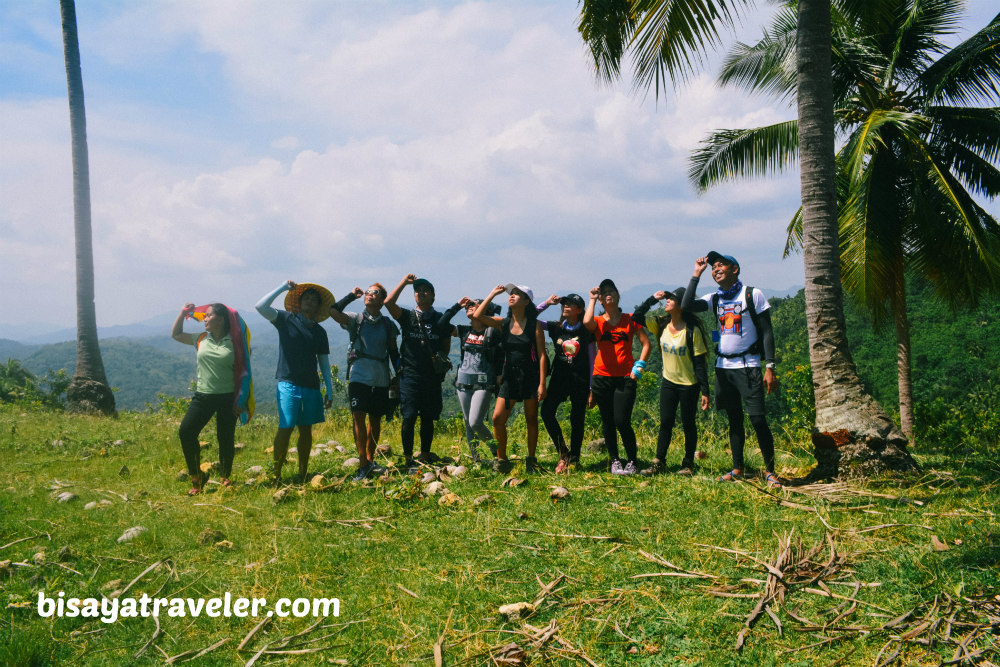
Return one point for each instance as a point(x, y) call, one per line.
point(903, 356)
point(852, 436)
point(89, 391)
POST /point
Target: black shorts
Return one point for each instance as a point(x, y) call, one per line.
point(373, 401)
point(520, 384)
point(735, 384)
point(420, 396)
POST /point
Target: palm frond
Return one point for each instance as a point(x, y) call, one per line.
point(793, 238)
point(871, 226)
point(978, 129)
point(967, 74)
point(730, 154)
point(920, 25)
point(951, 238)
point(671, 37)
point(769, 65)
point(606, 26)
point(867, 139)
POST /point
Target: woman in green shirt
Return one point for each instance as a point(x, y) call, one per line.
point(213, 395)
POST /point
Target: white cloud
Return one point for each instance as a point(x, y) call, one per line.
point(468, 143)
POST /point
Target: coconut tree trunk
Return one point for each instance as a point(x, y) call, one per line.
point(89, 391)
point(853, 436)
point(903, 356)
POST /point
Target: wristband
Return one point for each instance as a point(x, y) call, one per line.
point(638, 368)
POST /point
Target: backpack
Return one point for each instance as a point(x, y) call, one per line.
point(752, 309)
point(356, 349)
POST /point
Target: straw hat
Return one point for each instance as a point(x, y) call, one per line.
point(325, 299)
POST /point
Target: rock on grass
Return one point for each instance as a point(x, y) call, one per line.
point(132, 533)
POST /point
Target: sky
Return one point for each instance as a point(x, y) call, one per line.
point(237, 144)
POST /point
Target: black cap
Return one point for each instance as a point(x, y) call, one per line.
point(607, 285)
point(714, 257)
point(572, 299)
point(422, 282)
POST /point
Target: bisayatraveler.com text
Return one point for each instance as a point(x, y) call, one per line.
point(109, 610)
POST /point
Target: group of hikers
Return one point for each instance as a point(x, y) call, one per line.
point(593, 365)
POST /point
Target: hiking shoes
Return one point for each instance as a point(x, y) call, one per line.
point(655, 468)
point(502, 466)
point(686, 471)
point(616, 467)
point(630, 468)
point(375, 470)
point(531, 465)
point(363, 472)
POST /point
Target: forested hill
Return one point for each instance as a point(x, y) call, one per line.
point(953, 353)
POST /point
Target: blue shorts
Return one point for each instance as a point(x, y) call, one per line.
point(298, 406)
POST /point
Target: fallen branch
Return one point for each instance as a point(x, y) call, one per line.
point(141, 575)
point(579, 537)
point(25, 539)
point(246, 640)
point(890, 525)
point(407, 591)
point(220, 506)
point(208, 649)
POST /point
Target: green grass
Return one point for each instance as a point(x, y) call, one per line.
point(464, 562)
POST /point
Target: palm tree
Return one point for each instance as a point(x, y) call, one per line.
point(913, 151)
point(667, 38)
point(89, 391)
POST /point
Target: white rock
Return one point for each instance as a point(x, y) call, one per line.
point(559, 492)
point(517, 610)
point(435, 488)
point(96, 504)
point(428, 477)
point(254, 471)
point(293, 450)
point(66, 497)
point(119, 443)
point(340, 448)
point(352, 462)
point(457, 471)
point(132, 533)
point(58, 443)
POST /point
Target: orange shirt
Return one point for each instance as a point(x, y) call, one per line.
point(614, 346)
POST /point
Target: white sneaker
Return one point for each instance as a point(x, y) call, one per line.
point(629, 468)
point(616, 467)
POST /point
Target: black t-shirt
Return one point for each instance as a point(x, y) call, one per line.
point(300, 342)
point(567, 359)
point(423, 333)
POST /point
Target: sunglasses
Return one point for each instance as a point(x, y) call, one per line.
point(373, 292)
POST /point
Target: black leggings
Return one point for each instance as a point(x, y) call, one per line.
point(615, 397)
point(564, 386)
point(201, 410)
point(407, 430)
point(738, 436)
point(672, 395)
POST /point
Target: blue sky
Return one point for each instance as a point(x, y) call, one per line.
point(235, 144)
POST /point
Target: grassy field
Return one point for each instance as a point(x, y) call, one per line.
point(625, 571)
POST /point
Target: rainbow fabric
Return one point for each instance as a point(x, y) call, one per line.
point(243, 404)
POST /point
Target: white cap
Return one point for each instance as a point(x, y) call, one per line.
point(510, 287)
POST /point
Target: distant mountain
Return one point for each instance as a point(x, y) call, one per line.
point(11, 349)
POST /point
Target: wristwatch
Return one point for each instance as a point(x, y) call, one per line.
point(771, 365)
